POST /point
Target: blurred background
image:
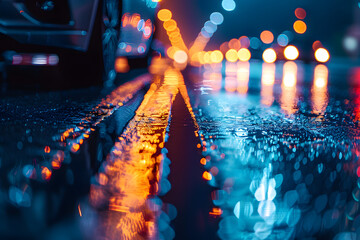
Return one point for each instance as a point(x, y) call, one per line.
point(305, 24)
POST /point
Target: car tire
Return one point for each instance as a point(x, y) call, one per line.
point(96, 65)
point(110, 29)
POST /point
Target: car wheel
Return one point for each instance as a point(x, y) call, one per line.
point(110, 37)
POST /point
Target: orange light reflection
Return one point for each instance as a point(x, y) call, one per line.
point(243, 74)
point(230, 77)
point(133, 169)
point(319, 98)
point(267, 83)
point(288, 99)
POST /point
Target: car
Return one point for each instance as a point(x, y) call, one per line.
point(78, 36)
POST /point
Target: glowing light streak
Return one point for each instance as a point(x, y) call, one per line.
point(267, 83)
point(319, 91)
point(288, 95)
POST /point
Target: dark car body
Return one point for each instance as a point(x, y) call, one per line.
point(69, 23)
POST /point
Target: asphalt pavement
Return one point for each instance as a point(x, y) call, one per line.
point(228, 151)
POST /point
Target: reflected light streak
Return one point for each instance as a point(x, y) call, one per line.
point(320, 98)
point(79, 209)
point(230, 77)
point(212, 80)
point(73, 138)
point(243, 74)
point(133, 168)
point(288, 100)
point(267, 83)
point(184, 93)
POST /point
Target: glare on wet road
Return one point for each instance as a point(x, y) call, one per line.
point(279, 146)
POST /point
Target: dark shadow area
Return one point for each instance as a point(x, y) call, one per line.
point(190, 194)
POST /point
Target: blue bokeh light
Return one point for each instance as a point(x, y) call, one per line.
point(228, 5)
point(283, 40)
point(217, 18)
point(210, 27)
point(255, 43)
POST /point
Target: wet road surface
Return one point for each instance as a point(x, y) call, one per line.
point(232, 151)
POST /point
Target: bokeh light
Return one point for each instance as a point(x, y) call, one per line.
point(291, 53)
point(216, 56)
point(164, 15)
point(283, 40)
point(180, 56)
point(316, 45)
point(300, 13)
point(267, 37)
point(235, 44)
point(244, 42)
point(255, 43)
point(170, 25)
point(322, 55)
point(228, 5)
point(300, 27)
point(217, 18)
point(350, 43)
point(244, 55)
point(231, 55)
point(210, 27)
point(122, 65)
point(269, 55)
point(224, 47)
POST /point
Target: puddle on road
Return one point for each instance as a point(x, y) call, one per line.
point(282, 156)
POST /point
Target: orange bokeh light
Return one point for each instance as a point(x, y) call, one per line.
point(231, 55)
point(122, 65)
point(300, 27)
point(164, 15)
point(180, 56)
point(75, 147)
point(170, 25)
point(216, 56)
point(207, 176)
point(267, 37)
point(47, 149)
point(234, 44)
point(244, 54)
point(216, 212)
point(46, 173)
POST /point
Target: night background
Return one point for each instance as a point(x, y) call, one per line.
point(164, 119)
